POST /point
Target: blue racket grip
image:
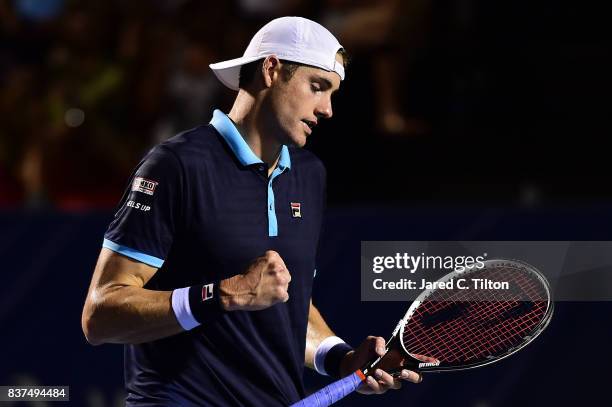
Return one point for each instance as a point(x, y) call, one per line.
point(333, 392)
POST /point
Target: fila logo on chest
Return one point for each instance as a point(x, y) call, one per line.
point(296, 209)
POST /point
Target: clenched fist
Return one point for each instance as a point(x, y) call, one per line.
point(263, 284)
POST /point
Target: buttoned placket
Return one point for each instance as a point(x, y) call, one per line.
point(227, 129)
point(271, 207)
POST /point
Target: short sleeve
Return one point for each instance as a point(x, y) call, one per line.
point(150, 210)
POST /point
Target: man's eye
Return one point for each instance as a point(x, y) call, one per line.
point(315, 88)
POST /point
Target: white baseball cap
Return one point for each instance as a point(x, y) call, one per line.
point(294, 39)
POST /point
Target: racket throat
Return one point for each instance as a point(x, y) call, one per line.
point(371, 366)
point(405, 361)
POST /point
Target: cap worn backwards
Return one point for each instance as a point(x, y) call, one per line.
point(294, 39)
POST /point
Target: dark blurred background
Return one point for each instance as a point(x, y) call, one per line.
point(467, 119)
point(474, 101)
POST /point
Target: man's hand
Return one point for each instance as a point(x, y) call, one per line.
point(263, 284)
point(382, 381)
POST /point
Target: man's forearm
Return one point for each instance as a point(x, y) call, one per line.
point(118, 308)
point(126, 314)
point(317, 331)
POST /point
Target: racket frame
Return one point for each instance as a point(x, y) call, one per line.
point(339, 389)
point(525, 267)
point(412, 363)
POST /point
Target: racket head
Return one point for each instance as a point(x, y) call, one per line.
point(465, 329)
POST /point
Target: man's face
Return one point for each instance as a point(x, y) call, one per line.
point(298, 104)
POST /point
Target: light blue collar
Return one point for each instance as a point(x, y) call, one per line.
point(241, 149)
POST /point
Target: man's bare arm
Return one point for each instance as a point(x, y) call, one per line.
point(119, 310)
point(370, 348)
point(316, 332)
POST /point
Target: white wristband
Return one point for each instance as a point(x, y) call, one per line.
point(324, 347)
point(182, 310)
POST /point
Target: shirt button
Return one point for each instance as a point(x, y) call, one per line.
point(261, 168)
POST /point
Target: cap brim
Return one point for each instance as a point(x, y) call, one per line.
point(228, 72)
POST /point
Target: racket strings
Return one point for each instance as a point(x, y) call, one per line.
point(460, 326)
point(461, 343)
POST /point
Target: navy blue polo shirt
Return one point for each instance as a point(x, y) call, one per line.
point(200, 207)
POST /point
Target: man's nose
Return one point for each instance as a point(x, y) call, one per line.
point(324, 110)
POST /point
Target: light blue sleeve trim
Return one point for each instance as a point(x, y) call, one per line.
point(133, 254)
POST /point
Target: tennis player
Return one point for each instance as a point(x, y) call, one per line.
point(206, 270)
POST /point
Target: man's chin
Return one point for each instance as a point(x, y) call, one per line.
point(297, 141)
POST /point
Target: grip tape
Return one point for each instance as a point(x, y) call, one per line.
point(333, 392)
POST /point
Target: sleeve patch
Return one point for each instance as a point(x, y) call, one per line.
point(146, 186)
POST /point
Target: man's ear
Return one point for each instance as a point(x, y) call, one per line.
point(270, 70)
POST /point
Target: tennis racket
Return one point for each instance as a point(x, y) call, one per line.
point(466, 324)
